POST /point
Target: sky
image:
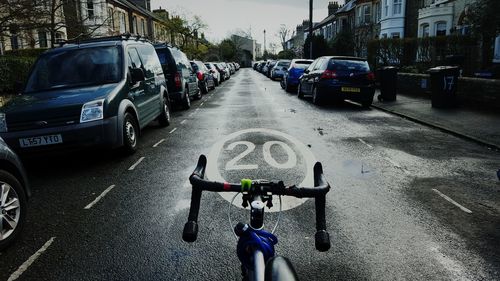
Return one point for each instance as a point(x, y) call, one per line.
point(225, 16)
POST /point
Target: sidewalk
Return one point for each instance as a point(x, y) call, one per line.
point(479, 126)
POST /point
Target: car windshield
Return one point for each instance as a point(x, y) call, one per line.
point(75, 68)
point(348, 65)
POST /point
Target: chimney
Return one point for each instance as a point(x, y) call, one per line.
point(332, 8)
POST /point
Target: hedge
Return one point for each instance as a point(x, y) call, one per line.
point(25, 52)
point(420, 54)
point(13, 69)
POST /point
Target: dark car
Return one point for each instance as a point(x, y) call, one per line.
point(223, 70)
point(14, 193)
point(181, 78)
point(96, 92)
point(270, 66)
point(278, 71)
point(338, 78)
point(205, 78)
point(291, 76)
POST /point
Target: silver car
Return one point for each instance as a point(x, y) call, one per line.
point(278, 71)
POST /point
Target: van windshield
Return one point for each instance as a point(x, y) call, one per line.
point(76, 68)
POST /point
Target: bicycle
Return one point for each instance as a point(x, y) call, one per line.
point(255, 247)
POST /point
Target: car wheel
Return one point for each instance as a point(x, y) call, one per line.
point(164, 118)
point(13, 208)
point(316, 97)
point(130, 133)
point(205, 88)
point(282, 84)
point(300, 94)
point(199, 94)
point(186, 102)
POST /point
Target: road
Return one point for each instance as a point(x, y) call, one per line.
point(407, 202)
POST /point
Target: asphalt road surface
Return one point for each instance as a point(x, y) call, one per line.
point(407, 202)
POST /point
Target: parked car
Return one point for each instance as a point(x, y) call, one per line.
point(215, 73)
point(205, 78)
point(278, 71)
point(14, 194)
point(231, 68)
point(97, 92)
point(338, 78)
point(260, 67)
point(270, 67)
point(291, 76)
point(265, 67)
point(224, 72)
point(181, 79)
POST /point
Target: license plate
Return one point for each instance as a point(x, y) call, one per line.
point(351, 90)
point(41, 140)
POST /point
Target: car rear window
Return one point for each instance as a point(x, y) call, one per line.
point(302, 65)
point(284, 63)
point(348, 65)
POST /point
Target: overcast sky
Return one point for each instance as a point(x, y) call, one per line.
point(224, 16)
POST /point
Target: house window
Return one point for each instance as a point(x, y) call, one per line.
point(367, 13)
point(378, 11)
point(441, 28)
point(384, 36)
point(90, 9)
point(395, 35)
point(143, 27)
point(111, 18)
point(42, 39)
point(123, 26)
point(397, 7)
point(425, 30)
point(14, 41)
point(386, 8)
point(59, 37)
point(134, 25)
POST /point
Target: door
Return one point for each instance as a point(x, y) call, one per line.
point(306, 79)
point(192, 79)
point(137, 92)
point(152, 83)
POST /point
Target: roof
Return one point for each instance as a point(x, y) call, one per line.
point(139, 9)
point(347, 7)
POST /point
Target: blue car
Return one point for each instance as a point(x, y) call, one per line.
point(291, 77)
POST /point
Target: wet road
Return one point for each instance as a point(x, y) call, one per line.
point(407, 203)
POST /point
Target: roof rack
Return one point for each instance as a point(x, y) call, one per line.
point(124, 36)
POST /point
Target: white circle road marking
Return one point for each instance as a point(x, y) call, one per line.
point(212, 171)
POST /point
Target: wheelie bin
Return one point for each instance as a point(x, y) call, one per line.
point(444, 80)
point(388, 76)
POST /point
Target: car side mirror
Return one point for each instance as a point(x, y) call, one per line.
point(137, 75)
point(285, 69)
point(306, 71)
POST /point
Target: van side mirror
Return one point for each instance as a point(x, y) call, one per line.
point(306, 71)
point(137, 75)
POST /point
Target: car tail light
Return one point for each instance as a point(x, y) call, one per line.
point(199, 75)
point(329, 74)
point(371, 76)
point(177, 80)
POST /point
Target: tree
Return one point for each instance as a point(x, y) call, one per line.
point(320, 46)
point(286, 54)
point(343, 44)
point(483, 15)
point(227, 50)
point(283, 34)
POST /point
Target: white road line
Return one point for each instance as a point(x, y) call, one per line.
point(363, 142)
point(136, 163)
point(197, 109)
point(183, 121)
point(158, 143)
point(191, 114)
point(397, 165)
point(452, 201)
point(173, 130)
point(30, 261)
point(99, 197)
point(202, 103)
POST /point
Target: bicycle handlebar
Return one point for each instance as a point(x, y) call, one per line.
point(322, 238)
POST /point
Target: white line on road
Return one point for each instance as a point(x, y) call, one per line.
point(158, 143)
point(363, 142)
point(452, 201)
point(202, 103)
point(183, 121)
point(191, 114)
point(136, 163)
point(30, 261)
point(397, 165)
point(99, 197)
point(173, 130)
point(197, 109)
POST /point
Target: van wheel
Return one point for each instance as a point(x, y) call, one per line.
point(13, 207)
point(130, 134)
point(164, 118)
point(186, 102)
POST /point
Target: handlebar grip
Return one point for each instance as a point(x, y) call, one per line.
point(322, 240)
point(190, 232)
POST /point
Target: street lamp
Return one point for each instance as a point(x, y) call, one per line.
point(264, 41)
point(310, 28)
